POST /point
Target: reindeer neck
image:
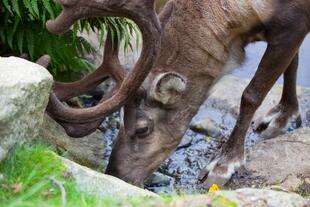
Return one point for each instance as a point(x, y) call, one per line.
point(203, 40)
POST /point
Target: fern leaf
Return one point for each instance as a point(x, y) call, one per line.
point(16, 7)
point(2, 35)
point(31, 13)
point(20, 41)
point(16, 23)
point(48, 7)
point(7, 5)
point(30, 43)
point(35, 8)
point(9, 36)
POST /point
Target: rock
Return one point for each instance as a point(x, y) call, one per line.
point(207, 127)
point(304, 189)
point(226, 96)
point(158, 179)
point(246, 197)
point(87, 151)
point(24, 93)
point(292, 183)
point(283, 161)
point(160, 183)
point(263, 198)
point(101, 185)
point(185, 142)
point(308, 117)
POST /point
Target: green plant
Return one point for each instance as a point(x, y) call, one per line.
point(22, 31)
point(29, 175)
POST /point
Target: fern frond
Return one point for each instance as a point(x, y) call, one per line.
point(22, 30)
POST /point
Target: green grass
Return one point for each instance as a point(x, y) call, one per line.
point(29, 178)
point(27, 181)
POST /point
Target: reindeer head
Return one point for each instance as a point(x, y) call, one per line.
point(153, 97)
point(150, 131)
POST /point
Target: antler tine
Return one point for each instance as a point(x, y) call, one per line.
point(65, 91)
point(111, 52)
point(143, 13)
point(110, 67)
point(81, 130)
point(44, 60)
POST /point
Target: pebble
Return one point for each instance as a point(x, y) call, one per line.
point(160, 183)
point(186, 142)
point(308, 117)
point(159, 179)
point(206, 126)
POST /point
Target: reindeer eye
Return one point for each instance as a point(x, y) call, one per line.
point(143, 128)
point(142, 131)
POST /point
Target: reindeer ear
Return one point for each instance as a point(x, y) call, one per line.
point(166, 13)
point(167, 88)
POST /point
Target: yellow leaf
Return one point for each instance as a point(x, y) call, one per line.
point(213, 188)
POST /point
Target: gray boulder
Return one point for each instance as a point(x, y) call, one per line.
point(282, 162)
point(87, 151)
point(101, 185)
point(246, 197)
point(24, 93)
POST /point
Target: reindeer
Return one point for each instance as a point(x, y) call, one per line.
point(185, 51)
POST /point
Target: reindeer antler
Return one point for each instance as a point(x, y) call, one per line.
point(110, 67)
point(140, 11)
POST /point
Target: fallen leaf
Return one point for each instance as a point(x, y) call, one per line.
point(17, 187)
point(213, 188)
point(48, 194)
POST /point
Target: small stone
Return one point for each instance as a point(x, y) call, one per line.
point(304, 189)
point(160, 183)
point(308, 116)
point(207, 127)
point(186, 142)
point(159, 179)
point(190, 159)
point(292, 183)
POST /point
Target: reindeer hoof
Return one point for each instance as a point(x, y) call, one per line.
point(278, 121)
point(220, 170)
